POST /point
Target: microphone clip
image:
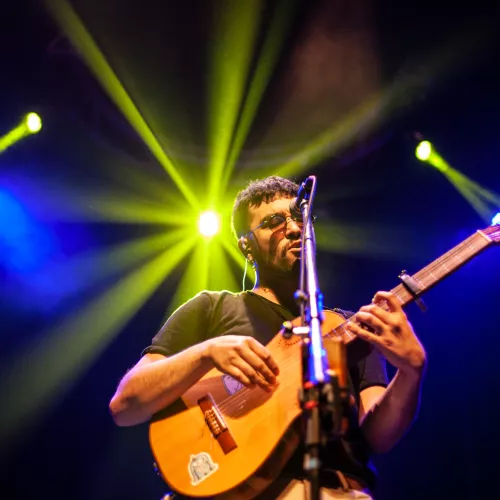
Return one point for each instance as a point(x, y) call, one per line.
point(303, 196)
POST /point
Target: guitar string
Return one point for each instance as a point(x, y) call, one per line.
point(235, 398)
point(438, 263)
point(427, 271)
point(229, 402)
point(283, 367)
point(423, 275)
point(465, 247)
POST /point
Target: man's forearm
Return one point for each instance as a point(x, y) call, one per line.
point(148, 388)
point(389, 419)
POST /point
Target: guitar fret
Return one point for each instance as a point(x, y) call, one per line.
point(402, 294)
point(470, 246)
point(445, 266)
point(346, 332)
point(418, 281)
point(399, 298)
point(484, 236)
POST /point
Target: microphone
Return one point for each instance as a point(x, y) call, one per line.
point(303, 194)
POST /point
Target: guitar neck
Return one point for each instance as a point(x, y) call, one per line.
point(448, 263)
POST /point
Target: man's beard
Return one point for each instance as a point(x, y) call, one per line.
point(274, 272)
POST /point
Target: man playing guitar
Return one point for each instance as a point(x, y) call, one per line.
point(230, 331)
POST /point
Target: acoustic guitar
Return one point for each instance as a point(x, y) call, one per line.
point(223, 439)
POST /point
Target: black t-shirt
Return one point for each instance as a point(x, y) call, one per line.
point(211, 314)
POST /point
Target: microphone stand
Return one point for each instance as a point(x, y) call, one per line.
point(321, 397)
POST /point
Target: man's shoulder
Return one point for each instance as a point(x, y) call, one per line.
point(217, 295)
point(214, 299)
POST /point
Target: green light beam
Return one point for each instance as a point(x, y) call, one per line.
point(128, 209)
point(63, 203)
point(381, 105)
point(220, 274)
point(471, 191)
point(331, 141)
point(278, 29)
point(378, 242)
point(233, 251)
point(15, 135)
point(208, 269)
point(478, 197)
point(133, 178)
point(235, 31)
point(97, 266)
point(195, 278)
point(484, 193)
point(41, 375)
point(82, 40)
point(324, 145)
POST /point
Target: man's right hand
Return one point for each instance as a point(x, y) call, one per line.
point(243, 358)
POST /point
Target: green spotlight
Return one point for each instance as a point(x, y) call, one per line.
point(208, 224)
point(33, 123)
point(423, 150)
point(30, 124)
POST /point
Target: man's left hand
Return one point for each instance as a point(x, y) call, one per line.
point(392, 334)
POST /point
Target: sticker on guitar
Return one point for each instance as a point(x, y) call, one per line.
point(200, 467)
point(231, 384)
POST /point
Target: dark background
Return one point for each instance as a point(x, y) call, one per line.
point(72, 449)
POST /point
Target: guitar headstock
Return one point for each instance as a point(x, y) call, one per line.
point(493, 233)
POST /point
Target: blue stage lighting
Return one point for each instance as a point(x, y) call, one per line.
point(496, 219)
point(25, 245)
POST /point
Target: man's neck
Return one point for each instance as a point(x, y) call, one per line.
point(281, 292)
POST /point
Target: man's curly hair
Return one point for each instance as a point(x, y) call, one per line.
point(258, 192)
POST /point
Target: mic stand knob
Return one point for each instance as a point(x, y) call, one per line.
point(287, 329)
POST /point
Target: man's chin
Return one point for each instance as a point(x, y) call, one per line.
point(288, 269)
point(292, 266)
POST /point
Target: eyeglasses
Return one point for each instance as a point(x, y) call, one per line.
point(277, 222)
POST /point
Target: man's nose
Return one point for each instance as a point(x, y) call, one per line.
point(292, 228)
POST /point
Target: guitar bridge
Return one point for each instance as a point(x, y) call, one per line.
point(216, 424)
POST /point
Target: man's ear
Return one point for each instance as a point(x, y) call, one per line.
point(244, 247)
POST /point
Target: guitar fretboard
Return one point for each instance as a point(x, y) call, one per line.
point(432, 274)
point(448, 263)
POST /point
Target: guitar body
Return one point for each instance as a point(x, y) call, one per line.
point(194, 463)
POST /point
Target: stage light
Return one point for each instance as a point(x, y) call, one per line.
point(33, 123)
point(423, 151)
point(426, 153)
point(30, 124)
point(496, 219)
point(481, 198)
point(208, 224)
